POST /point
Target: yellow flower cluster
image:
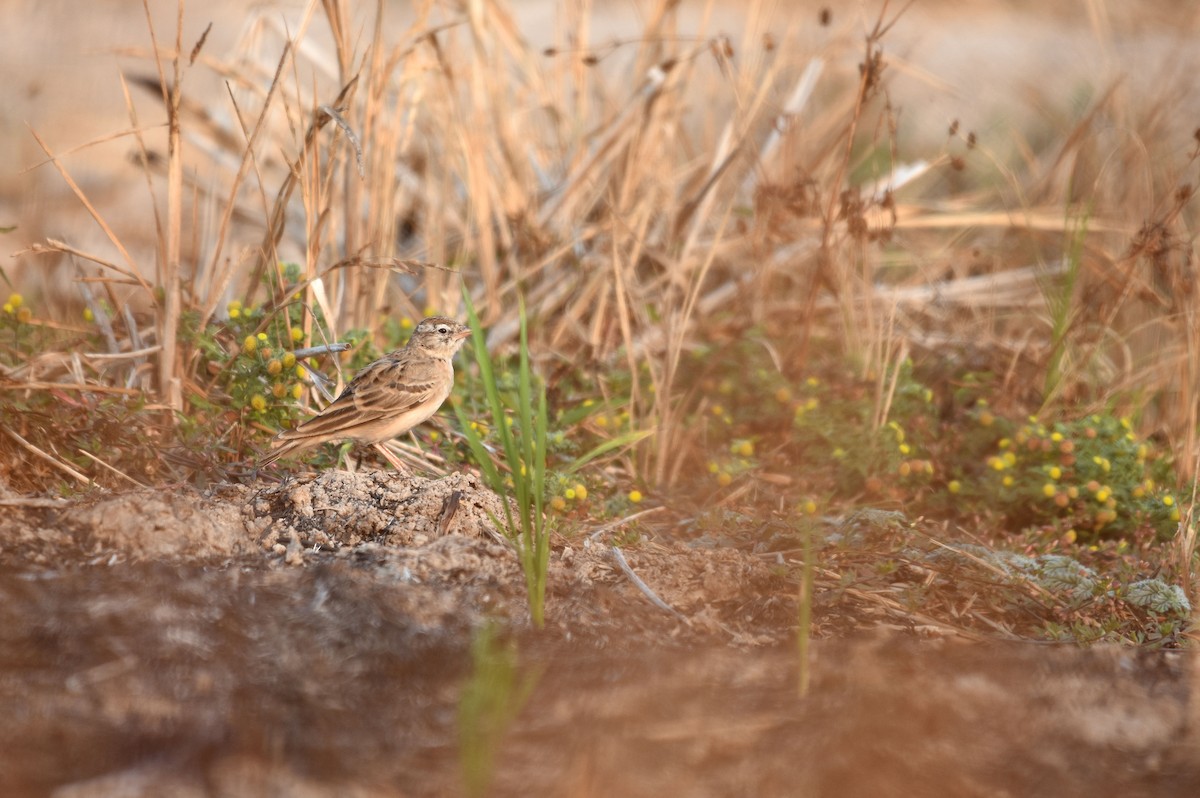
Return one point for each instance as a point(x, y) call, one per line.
point(910, 467)
point(743, 448)
point(805, 407)
point(283, 371)
point(1001, 462)
point(15, 306)
point(617, 420)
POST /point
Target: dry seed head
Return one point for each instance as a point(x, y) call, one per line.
point(199, 45)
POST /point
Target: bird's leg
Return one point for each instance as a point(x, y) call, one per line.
point(391, 458)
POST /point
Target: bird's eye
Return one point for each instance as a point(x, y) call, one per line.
point(444, 330)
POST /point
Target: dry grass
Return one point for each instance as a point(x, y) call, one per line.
point(648, 195)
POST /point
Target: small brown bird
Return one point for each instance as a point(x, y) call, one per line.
point(388, 397)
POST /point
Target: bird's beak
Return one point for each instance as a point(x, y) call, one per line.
point(462, 335)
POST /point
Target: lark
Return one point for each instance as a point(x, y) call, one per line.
point(388, 397)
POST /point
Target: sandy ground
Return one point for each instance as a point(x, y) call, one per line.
point(314, 638)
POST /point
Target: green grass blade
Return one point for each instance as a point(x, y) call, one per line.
point(622, 440)
point(524, 451)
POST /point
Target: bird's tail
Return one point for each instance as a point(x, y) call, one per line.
point(282, 447)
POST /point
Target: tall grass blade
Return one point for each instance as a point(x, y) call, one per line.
point(490, 701)
point(525, 456)
point(804, 627)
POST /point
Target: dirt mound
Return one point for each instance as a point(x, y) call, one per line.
point(111, 528)
point(337, 509)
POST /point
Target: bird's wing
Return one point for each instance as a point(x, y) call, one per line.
point(391, 389)
point(376, 393)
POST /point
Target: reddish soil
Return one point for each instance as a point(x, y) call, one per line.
point(314, 638)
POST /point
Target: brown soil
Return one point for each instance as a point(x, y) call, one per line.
point(313, 638)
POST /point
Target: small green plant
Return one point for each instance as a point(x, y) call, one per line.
point(804, 625)
point(1060, 302)
point(524, 451)
point(1092, 475)
point(490, 701)
point(835, 424)
point(253, 362)
point(22, 336)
